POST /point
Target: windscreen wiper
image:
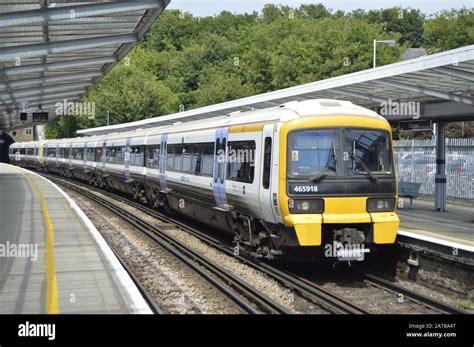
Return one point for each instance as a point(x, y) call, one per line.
point(323, 171)
point(361, 163)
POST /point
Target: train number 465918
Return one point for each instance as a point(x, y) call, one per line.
point(305, 189)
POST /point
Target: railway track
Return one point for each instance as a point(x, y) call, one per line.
point(328, 299)
point(305, 289)
point(154, 306)
point(378, 294)
point(421, 299)
point(245, 296)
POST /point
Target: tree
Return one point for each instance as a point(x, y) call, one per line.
point(216, 86)
point(408, 22)
point(315, 11)
point(129, 94)
point(62, 127)
point(450, 29)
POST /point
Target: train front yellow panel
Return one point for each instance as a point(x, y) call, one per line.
point(385, 226)
point(345, 210)
point(308, 228)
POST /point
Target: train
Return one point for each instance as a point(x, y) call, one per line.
point(305, 179)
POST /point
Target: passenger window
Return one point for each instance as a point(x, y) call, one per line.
point(98, 154)
point(187, 160)
point(90, 154)
point(241, 163)
point(136, 156)
point(170, 157)
point(110, 155)
point(178, 158)
point(119, 155)
point(153, 157)
point(207, 159)
point(196, 159)
point(267, 161)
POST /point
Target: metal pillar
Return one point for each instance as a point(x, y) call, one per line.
point(440, 178)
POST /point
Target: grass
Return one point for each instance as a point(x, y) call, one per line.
point(464, 304)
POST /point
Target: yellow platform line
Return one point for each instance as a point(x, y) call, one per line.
point(51, 300)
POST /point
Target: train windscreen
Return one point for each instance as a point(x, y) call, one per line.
point(338, 152)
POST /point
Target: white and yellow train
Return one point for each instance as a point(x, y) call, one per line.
point(287, 181)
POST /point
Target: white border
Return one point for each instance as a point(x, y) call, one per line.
point(436, 240)
point(139, 303)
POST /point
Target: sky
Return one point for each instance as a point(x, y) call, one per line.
point(203, 8)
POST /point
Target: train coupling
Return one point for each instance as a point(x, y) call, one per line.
point(349, 245)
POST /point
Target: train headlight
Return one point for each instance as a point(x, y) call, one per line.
point(380, 204)
point(306, 206)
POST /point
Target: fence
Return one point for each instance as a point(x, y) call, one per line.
point(416, 162)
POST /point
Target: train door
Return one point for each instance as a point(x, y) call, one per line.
point(70, 156)
point(84, 158)
point(103, 158)
point(57, 154)
point(126, 159)
point(162, 162)
point(219, 172)
point(266, 172)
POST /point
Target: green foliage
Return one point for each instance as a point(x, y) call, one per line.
point(464, 304)
point(216, 86)
point(450, 29)
point(130, 93)
point(408, 22)
point(62, 127)
point(195, 62)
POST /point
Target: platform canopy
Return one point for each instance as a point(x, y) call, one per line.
point(51, 50)
point(441, 85)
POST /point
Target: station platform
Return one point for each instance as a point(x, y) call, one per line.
point(52, 259)
point(454, 227)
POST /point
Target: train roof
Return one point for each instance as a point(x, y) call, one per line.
point(289, 111)
point(285, 112)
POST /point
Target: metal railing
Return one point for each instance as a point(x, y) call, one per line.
point(416, 162)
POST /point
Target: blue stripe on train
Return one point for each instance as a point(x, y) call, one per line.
point(127, 158)
point(218, 187)
point(84, 157)
point(70, 156)
point(225, 134)
point(162, 175)
point(104, 153)
point(215, 171)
